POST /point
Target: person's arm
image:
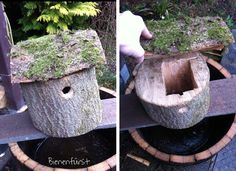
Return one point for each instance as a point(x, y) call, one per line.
point(130, 28)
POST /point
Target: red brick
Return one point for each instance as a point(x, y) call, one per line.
point(112, 161)
point(225, 73)
point(31, 164)
point(162, 156)
point(232, 131)
point(215, 64)
point(151, 150)
point(99, 167)
point(203, 155)
point(182, 159)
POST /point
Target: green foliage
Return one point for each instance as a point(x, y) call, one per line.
point(53, 17)
point(216, 31)
point(105, 77)
point(163, 7)
point(229, 21)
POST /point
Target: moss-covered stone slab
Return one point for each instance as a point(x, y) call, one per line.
point(187, 34)
point(54, 56)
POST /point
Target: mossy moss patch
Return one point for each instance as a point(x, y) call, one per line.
point(54, 56)
point(186, 34)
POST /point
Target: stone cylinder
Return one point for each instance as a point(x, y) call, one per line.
point(65, 107)
point(175, 90)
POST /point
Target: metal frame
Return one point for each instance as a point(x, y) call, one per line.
point(13, 91)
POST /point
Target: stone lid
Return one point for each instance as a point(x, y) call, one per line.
point(185, 34)
point(55, 56)
point(172, 81)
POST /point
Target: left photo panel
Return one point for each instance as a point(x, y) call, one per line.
point(57, 86)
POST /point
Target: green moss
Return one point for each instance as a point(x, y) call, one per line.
point(45, 59)
point(90, 55)
point(167, 34)
point(57, 55)
point(66, 38)
point(172, 35)
point(216, 31)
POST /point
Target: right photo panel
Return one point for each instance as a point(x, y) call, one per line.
point(177, 85)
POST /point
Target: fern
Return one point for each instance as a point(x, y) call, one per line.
point(53, 17)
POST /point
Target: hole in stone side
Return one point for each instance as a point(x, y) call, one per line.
point(66, 90)
point(178, 77)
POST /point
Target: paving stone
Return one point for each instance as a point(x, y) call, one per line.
point(226, 159)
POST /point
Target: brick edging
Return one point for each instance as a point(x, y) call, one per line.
point(185, 158)
point(35, 166)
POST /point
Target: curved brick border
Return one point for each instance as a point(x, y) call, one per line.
point(185, 158)
point(35, 166)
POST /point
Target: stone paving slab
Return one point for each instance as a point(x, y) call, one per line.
point(226, 159)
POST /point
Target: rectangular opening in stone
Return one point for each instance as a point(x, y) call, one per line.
point(178, 77)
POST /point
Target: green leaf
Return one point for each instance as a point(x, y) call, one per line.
point(63, 26)
point(44, 18)
point(51, 16)
point(30, 5)
point(63, 11)
point(51, 29)
point(57, 6)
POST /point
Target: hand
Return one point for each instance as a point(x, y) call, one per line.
point(130, 28)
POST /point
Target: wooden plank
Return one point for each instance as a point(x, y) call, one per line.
point(223, 102)
point(19, 127)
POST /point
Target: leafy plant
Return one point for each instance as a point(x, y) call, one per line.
point(162, 8)
point(52, 17)
point(105, 77)
point(229, 21)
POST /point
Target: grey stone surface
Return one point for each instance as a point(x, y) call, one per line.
point(68, 113)
point(226, 159)
point(229, 59)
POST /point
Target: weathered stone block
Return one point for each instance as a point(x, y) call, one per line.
point(175, 90)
